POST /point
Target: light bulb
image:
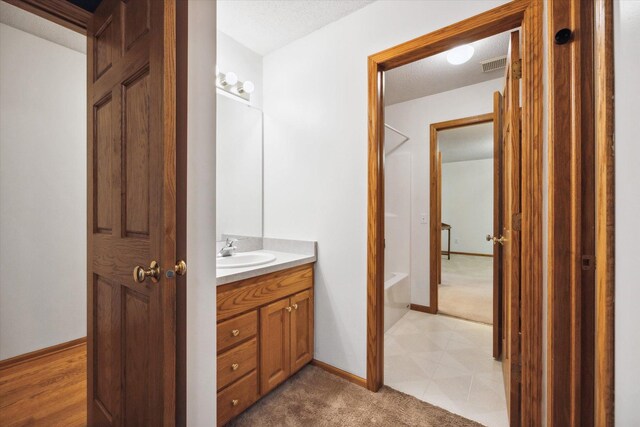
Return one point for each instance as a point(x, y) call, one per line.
point(460, 55)
point(246, 87)
point(229, 78)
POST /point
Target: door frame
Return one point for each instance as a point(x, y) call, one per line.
point(435, 205)
point(520, 13)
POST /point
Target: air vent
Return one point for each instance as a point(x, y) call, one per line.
point(494, 64)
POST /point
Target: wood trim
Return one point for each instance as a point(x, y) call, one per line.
point(435, 208)
point(605, 214)
point(61, 12)
point(471, 254)
point(340, 373)
point(571, 287)
point(520, 13)
point(43, 352)
point(421, 308)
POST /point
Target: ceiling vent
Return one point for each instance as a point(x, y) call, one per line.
point(494, 64)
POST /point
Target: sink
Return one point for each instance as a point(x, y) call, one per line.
point(244, 259)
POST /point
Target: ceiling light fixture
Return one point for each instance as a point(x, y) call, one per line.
point(460, 55)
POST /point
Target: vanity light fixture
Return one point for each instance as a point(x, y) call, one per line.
point(460, 55)
point(228, 79)
point(246, 87)
point(228, 83)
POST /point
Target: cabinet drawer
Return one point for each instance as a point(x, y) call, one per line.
point(237, 397)
point(236, 330)
point(237, 362)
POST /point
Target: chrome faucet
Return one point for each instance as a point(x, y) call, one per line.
point(228, 248)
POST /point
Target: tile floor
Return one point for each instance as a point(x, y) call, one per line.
point(447, 362)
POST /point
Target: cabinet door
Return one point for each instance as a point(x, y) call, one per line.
point(301, 329)
point(275, 323)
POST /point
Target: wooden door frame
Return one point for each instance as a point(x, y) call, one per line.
point(581, 216)
point(61, 12)
point(520, 13)
point(435, 208)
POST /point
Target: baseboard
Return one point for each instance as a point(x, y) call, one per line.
point(340, 373)
point(37, 354)
point(471, 254)
point(421, 308)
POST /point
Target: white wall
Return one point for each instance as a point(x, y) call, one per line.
point(42, 193)
point(414, 118)
point(233, 56)
point(201, 215)
point(315, 103)
point(627, 294)
point(467, 205)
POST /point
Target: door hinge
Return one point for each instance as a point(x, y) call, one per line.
point(516, 221)
point(516, 66)
point(588, 262)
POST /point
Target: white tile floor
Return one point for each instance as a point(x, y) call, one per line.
point(447, 362)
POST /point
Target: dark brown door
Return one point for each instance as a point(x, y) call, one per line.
point(301, 329)
point(497, 223)
point(275, 351)
point(131, 214)
point(511, 231)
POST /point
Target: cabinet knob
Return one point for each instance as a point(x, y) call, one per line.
point(235, 367)
point(235, 332)
point(295, 306)
point(235, 402)
point(288, 309)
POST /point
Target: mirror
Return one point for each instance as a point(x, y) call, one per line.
point(239, 169)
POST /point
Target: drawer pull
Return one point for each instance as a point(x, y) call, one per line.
point(295, 306)
point(235, 332)
point(235, 402)
point(288, 309)
point(235, 367)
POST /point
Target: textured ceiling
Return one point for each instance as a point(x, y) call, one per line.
point(40, 27)
point(434, 74)
point(266, 25)
point(466, 143)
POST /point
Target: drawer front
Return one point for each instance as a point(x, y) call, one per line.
point(236, 398)
point(236, 330)
point(237, 362)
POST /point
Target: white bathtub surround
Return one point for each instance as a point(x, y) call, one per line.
point(288, 253)
point(466, 290)
point(448, 363)
point(397, 298)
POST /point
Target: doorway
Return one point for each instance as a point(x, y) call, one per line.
point(523, 381)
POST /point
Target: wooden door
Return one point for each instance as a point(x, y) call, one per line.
point(497, 223)
point(131, 214)
point(301, 329)
point(511, 231)
point(275, 353)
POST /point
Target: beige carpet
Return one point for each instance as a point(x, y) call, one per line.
point(314, 397)
point(466, 290)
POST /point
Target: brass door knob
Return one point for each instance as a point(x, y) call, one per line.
point(235, 332)
point(288, 309)
point(235, 402)
point(295, 306)
point(234, 367)
point(181, 268)
point(140, 273)
point(495, 240)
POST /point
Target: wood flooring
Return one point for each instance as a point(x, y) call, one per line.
point(47, 391)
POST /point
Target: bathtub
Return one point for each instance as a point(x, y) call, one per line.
point(397, 297)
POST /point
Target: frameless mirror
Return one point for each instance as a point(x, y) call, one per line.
point(239, 168)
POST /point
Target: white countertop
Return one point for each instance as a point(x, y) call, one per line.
point(283, 261)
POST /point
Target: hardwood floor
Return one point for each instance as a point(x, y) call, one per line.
point(48, 391)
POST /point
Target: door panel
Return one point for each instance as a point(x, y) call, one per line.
point(497, 224)
point(275, 353)
point(131, 213)
point(511, 232)
point(301, 329)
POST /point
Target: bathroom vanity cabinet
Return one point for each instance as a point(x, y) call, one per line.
point(264, 335)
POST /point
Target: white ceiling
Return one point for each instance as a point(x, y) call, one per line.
point(40, 27)
point(434, 74)
point(266, 25)
point(473, 142)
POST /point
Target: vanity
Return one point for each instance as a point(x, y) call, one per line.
point(264, 320)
